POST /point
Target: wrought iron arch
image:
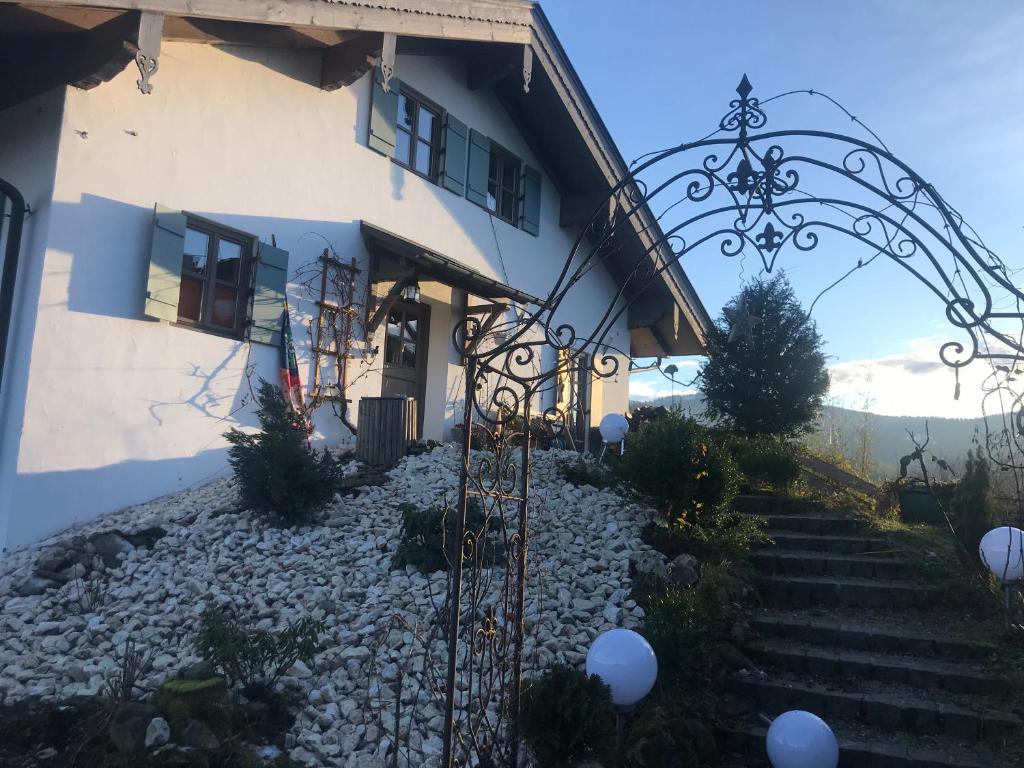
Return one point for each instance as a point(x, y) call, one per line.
point(739, 191)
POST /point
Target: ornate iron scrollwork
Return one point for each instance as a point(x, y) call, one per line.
point(738, 191)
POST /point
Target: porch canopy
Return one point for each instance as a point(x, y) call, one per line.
point(401, 260)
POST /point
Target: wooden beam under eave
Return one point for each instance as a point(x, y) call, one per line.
point(32, 65)
point(450, 19)
point(216, 32)
point(346, 62)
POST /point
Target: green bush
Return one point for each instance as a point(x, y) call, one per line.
point(695, 634)
point(643, 415)
point(567, 717)
point(668, 735)
point(428, 537)
point(253, 656)
point(765, 461)
point(972, 508)
point(765, 373)
point(278, 474)
point(686, 627)
point(675, 464)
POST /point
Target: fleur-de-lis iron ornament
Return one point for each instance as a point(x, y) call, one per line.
point(736, 191)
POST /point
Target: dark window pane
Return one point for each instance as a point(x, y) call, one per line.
point(493, 169)
point(197, 247)
point(229, 261)
point(403, 146)
point(425, 127)
point(510, 172)
point(409, 354)
point(224, 301)
point(406, 111)
point(507, 204)
point(393, 340)
point(410, 328)
point(190, 299)
point(423, 158)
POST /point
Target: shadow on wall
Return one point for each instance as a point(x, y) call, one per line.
point(101, 246)
point(85, 494)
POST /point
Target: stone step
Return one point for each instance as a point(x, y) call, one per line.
point(817, 524)
point(755, 504)
point(867, 633)
point(805, 591)
point(795, 562)
point(843, 545)
point(926, 674)
point(859, 747)
point(896, 711)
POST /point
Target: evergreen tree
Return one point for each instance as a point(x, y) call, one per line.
point(765, 373)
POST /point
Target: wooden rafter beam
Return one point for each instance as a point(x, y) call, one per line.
point(451, 19)
point(346, 62)
point(386, 304)
point(494, 312)
point(32, 65)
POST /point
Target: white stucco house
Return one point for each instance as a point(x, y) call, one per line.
point(190, 164)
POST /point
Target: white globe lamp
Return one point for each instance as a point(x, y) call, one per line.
point(799, 739)
point(1002, 551)
point(626, 663)
point(613, 429)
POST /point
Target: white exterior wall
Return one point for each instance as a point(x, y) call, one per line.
point(119, 409)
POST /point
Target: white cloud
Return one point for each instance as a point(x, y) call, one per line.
point(639, 389)
point(916, 383)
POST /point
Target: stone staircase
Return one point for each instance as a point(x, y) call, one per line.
point(848, 632)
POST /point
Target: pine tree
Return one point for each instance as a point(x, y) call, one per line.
point(765, 373)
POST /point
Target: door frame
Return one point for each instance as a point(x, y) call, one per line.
point(422, 352)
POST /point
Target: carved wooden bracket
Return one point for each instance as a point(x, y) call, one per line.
point(387, 60)
point(527, 67)
point(147, 59)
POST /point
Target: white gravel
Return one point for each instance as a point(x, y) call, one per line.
point(380, 622)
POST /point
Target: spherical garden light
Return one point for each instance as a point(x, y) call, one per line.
point(613, 429)
point(1002, 551)
point(799, 739)
point(626, 663)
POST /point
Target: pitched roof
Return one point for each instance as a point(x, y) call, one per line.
point(558, 112)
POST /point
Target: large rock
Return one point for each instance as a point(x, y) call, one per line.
point(183, 700)
point(54, 559)
point(158, 733)
point(649, 567)
point(34, 584)
point(129, 724)
point(684, 571)
point(197, 734)
point(110, 546)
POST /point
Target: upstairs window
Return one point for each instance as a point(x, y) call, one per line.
point(417, 134)
point(214, 276)
point(503, 184)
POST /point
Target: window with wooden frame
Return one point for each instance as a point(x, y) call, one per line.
point(503, 175)
point(417, 134)
point(215, 274)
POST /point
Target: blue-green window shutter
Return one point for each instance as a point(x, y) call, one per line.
point(383, 115)
point(479, 166)
point(455, 136)
point(269, 294)
point(530, 221)
point(163, 286)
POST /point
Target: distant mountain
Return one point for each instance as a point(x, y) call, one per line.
point(842, 429)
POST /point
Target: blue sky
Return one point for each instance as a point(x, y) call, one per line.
point(940, 81)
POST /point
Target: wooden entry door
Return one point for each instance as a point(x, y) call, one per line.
point(405, 354)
